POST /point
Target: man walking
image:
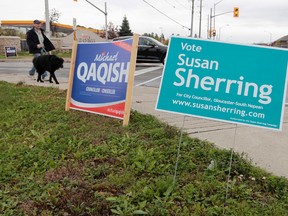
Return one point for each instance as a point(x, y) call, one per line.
point(38, 43)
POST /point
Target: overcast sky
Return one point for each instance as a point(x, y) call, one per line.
point(259, 20)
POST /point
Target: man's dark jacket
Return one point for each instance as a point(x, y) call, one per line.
point(32, 41)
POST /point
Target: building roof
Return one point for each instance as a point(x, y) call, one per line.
point(285, 38)
point(281, 42)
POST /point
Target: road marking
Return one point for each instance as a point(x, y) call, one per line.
point(146, 70)
point(143, 83)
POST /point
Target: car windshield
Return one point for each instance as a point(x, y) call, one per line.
point(142, 40)
point(120, 38)
point(156, 42)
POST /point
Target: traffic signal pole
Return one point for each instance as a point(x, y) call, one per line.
point(105, 13)
point(235, 12)
point(223, 13)
point(211, 27)
point(200, 19)
point(214, 26)
point(192, 19)
point(215, 15)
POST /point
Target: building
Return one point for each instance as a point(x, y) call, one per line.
point(281, 42)
point(60, 29)
point(62, 35)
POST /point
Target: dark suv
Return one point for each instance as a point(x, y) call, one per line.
point(149, 49)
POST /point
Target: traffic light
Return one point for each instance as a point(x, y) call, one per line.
point(236, 12)
point(212, 33)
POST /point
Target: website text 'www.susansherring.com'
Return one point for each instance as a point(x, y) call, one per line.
point(218, 108)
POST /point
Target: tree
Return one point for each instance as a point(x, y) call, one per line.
point(125, 28)
point(155, 36)
point(159, 38)
point(54, 17)
point(12, 32)
point(112, 31)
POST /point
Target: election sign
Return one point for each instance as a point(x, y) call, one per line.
point(226, 82)
point(99, 77)
point(10, 52)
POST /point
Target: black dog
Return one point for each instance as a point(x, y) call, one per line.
point(49, 63)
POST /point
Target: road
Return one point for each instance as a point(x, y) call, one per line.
point(146, 74)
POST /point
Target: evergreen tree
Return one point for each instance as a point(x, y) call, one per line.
point(125, 28)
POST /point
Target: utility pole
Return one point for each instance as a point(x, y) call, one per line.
point(210, 23)
point(192, 17)
point(47, 20)
point(200, 19)
point(208, 26)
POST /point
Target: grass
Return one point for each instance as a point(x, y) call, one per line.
point(54, 162)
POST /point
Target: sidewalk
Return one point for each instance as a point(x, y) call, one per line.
point(267, 148)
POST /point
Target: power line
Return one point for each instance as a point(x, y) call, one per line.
point(170, 3)
point(179, 3)
point(184, 6)
point(166, 15)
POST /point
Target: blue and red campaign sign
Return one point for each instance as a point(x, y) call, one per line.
point(100, 77)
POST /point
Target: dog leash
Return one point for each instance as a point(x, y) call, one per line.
point(44, 51)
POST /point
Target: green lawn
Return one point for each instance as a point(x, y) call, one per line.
point(54, 162)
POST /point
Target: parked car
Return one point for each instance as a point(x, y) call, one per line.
point(149, 49)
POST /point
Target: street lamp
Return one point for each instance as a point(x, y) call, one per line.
point(215, 13)
point(220, 30)
point(200, 19)
point(192, 18)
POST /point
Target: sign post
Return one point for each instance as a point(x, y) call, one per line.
point(130, 80)
point(71, 75)
point(10, 51)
